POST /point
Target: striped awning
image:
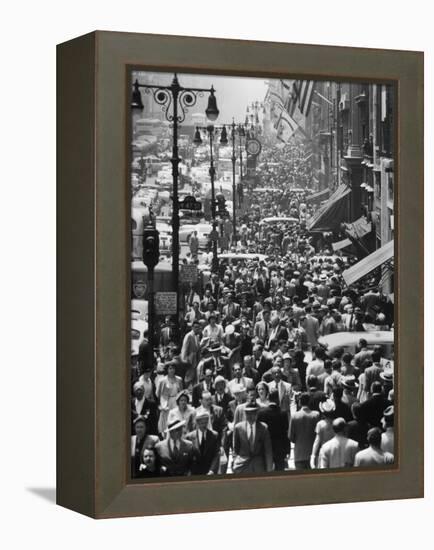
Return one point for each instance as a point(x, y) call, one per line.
point(318, 196)
point(368, 264)
point(358, 229)
point(341, 244)
point(329, 216)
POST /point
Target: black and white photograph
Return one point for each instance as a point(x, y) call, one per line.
point(262, 275)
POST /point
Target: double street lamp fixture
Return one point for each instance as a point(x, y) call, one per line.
point(197, 140)
point(235, 130)
point(175, 100)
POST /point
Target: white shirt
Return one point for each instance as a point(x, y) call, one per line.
point(139, 404)
point(175, 444)
point(388, 440)
point(251, 431)
point(200, 435)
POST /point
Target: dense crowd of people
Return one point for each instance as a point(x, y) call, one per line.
point(244, 385)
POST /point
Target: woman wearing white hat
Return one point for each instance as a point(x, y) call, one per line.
point(167, 391)
point(324, 429)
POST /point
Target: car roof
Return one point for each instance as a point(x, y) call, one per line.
point(242, 256)
point(279, 219)
point(349, 338)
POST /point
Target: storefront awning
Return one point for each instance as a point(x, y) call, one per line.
point(330, 214)
point(358, 229)
point(341, 244)
point(368, 264)
point(318, 196)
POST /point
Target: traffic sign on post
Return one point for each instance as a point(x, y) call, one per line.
point(189, 273)
point(165, 303)
point(190, 203)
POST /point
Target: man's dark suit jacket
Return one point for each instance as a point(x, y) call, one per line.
point(218, 421)
point(223, 403)
point(175, 465)
point(196, 395)
point(278, 426)
point(371, 410)
point(264, 364)
point(252, 460)
point(208, 458)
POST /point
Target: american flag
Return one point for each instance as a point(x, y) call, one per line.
point(286, 126)
point(300, 95)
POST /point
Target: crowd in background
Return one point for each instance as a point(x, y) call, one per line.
point(248, 388)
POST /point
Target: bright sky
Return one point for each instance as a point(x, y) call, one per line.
point(233, 93)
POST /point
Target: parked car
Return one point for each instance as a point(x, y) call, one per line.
point(203, 231)
point(350, 340)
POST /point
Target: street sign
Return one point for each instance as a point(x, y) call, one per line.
point(190, 203)
point(188, 273)
point(165, 303)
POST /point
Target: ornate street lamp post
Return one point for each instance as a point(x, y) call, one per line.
point(175, 100)
point(210, 129)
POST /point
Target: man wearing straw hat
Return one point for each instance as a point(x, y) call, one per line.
point(176, 454)
point(206, 446)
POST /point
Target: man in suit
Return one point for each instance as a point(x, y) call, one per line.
point(349, 318)
point(371, 411)
point(277, 423)
point(338, 452)
point(310, 324)
point(176, 455)
point(284, 389)
point(239, 379)
point(206, 385)
point(262, 328)
point(249, 371)
point(302, 433)
point(213, 286)
point(240, 410)
point(217, 419)
point(252, 445)
point(206, 446)
point(261, 361)
point(372, 373)
point(231, 310)
point(221, 397)
point(190, 352)
point(143, 408)
point(207, 299)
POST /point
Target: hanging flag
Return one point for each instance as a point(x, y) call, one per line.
point(300, 94)
point(305, 96)
point(286, 126)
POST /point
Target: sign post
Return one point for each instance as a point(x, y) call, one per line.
point(190, 203)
